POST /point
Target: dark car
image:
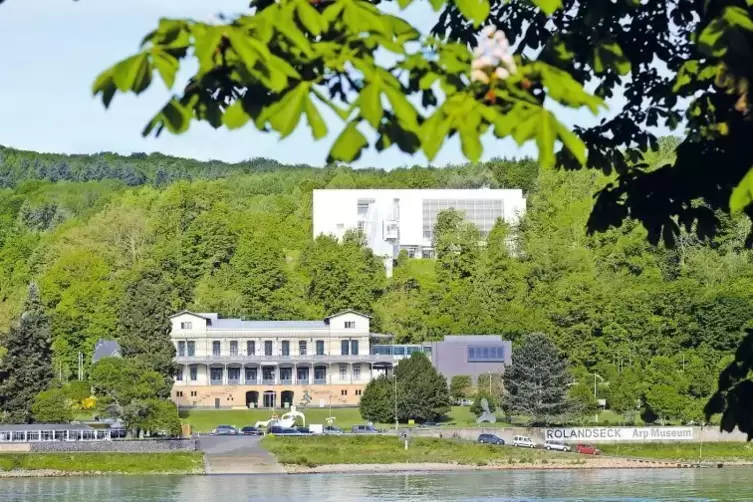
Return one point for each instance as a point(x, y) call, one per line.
point(277, 430)
point(251, 431)
point(303, 430)
point(587, 449)
point(490, 439)
point(226, 430)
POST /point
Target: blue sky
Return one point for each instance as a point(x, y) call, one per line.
point(53, 49)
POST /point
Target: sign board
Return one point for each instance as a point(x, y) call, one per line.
point(596, 434)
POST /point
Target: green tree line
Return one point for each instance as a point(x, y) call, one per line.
point(105, 254)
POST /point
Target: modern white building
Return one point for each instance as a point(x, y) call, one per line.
point(398, 219)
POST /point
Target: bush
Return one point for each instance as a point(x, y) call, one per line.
point(476, 406)
point(51, 406)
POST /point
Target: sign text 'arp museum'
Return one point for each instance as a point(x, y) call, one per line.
point(621, 434)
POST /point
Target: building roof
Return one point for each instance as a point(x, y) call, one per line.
point(473, 338)
point(43, 427)
point(106, 348)
point(343, 312)
point(253, 325)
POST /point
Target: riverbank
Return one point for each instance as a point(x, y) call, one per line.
point(93, 464)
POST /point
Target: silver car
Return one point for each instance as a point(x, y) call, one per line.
point(557, 445)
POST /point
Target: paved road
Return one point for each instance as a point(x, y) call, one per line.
point(237, 455)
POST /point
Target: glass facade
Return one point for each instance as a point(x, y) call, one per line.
point(494, 354)
point(483, 213)
point(191, 349)
point(216, 348)
point(285, 348)
point(268, 348)
point(320, 347)
point(181, 348)
point(251, 348)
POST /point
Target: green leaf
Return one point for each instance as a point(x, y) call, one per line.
point(562, 87)
point(318, 127)
point(348, 145)
point(310, 18)
point(475, 11)
point(436, 4)
point(404, 3)
point(105, 84)
point(609, 55)
point(343, 114)
point(235, 116)
point(742, 195)
point(205, 47)
point(285, 114)
point(427, 80)
point(737, 16)
point(572, 142)
point(434, 130)
point(470, 143)
point(175, 116)
point(545, 137)
point(548, 6)
point(370, 103)
point(404, 111)
point(133, 74)
point(166, 65)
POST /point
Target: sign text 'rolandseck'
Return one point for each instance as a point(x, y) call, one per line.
point(621, 434)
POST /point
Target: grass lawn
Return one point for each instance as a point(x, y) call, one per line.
point(707, 452)
point(206, 420)
point(322, 450)
point(126, 463)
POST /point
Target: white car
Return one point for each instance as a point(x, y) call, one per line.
point(523, 442)
point(557, 445)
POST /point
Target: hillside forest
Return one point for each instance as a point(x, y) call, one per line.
point(96, 231)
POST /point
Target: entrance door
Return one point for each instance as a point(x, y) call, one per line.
point(217, 403)
point(270, 398)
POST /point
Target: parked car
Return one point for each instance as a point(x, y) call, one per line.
point(303, 430)
point(251, 431)
point(554, 444)
point(428, 424)
point(333, 431)
point(277, 430)
point(490, 439)
point(364, 429)
point(587, 449)
point(523, 442)
point(226, 430)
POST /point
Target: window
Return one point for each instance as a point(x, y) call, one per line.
point(185, 325)
point(344, 392)
point(215, 348)
point(358, 392)
point(494, 354)
point(215, 374)
point(340, 226)
point(354, 347)
point(427, 253)
point(252, 375)
point(179, 393)
point(233, 347)
point(320, 347)
point(194, 393)
point(179, 374)
point(343, 371)
point(350, 324)
point(181, 349)
point(285, 348)
point(361, 226)
point(191, 349)
point(345, 347)
point(320, 374)
point(302, 348)
point(356, 372)
point(250, 348)
point(194, 373)
point(268, 348)
point(363, 208)
point(234, 375)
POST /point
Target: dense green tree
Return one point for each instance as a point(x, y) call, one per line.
point(52, 406)
point(28, 361)
point(537, 380)
point(77, 390)
point(378, 400)
point(582, 399)
point(491, 399)
point(460, 387)
point(144, 324)
point(422, 392)
point(152, 416)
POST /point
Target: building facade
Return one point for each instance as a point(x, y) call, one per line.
point(238, 364)
point(393, 220)
point(232, 363)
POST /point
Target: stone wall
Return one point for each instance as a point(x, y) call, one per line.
point(120, 445)
point(710, 434)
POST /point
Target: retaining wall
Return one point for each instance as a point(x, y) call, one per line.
point(120, 445)
point(710, 434)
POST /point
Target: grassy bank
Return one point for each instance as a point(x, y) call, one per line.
point(706, 452)
point(326, 450)
point(125, 463)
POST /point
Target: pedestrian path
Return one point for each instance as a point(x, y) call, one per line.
point(237, 455)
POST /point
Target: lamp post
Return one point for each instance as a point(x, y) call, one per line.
point(394, 378)
point(596, 417)
point(490, 383)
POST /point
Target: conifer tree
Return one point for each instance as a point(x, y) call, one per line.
point(28, 363)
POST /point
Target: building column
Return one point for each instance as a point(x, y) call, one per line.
point(294, 374)
point(351, 372)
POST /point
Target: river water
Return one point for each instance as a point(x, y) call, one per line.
point(632, 485)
